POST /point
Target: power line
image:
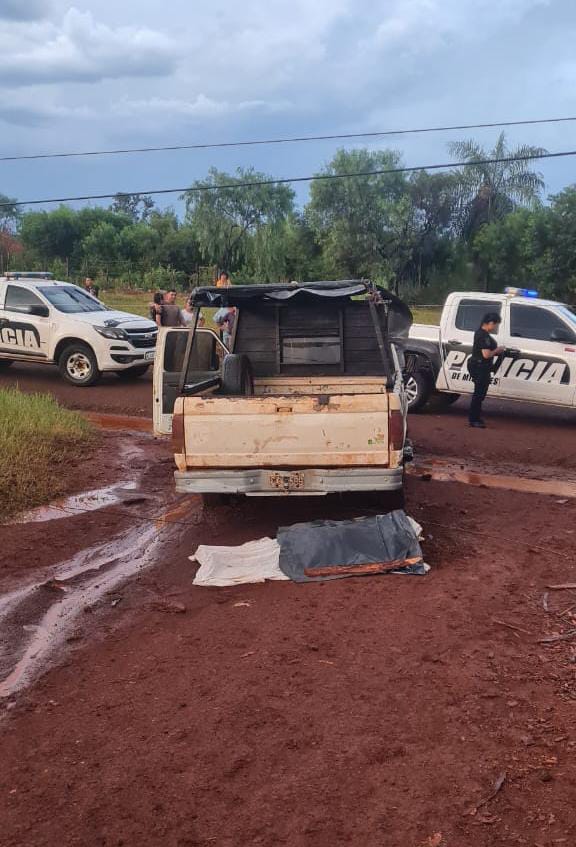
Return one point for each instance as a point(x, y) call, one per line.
point(294, 140)
point(289, 180)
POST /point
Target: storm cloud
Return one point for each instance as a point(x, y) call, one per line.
point(99, 73)
point(24, 10)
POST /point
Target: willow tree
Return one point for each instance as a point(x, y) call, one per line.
point(225, 211)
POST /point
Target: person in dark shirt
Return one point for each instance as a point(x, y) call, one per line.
point(156, 308)
point(481, 365)
point(170, 310)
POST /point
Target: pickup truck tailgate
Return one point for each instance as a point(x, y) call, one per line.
point(290, 431)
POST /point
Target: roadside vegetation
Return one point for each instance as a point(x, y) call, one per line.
point(39, 438)
point(137, 302)
point(421, 234)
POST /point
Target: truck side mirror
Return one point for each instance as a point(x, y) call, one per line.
point(39, 310)
point(564, 336)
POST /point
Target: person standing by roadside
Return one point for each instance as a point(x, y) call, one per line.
point(187, 315)
point(171, 313)
point(156, 308)
point(481, 365)
point(225, 319)
point(91, 287)
point(223, 280)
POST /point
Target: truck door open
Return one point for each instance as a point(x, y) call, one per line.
point(187, 362)
point(171, 350)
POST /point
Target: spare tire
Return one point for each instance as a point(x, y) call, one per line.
point(237, 378)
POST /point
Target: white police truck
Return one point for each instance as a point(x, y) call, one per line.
point(538, 365)
point(49, 322)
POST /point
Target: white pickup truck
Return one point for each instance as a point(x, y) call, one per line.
point(538, 365)
point(309, 399)
point(49, 322)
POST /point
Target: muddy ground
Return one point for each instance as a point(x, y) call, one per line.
point(393, 711)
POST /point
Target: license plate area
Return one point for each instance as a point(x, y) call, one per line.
point(149, 355)
point(286, 480)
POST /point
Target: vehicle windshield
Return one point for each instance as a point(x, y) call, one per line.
point(71, 299)
point(567, 313)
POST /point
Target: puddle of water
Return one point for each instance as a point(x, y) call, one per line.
point(443, 472)
point(130, 423)
point(113, 563)
point(88, 501)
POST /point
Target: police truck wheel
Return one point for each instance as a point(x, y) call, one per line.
point(418, 390)
point(237, 378)
point(132, 373)
point(79, 366)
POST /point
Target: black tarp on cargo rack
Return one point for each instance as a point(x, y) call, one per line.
point(399, 315)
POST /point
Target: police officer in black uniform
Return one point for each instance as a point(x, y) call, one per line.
point(481, 365)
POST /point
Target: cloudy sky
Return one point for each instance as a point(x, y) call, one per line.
point(97, 74)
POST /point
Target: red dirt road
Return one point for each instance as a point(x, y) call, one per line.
point(366, 712)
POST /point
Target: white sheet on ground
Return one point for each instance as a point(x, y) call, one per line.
point(255, 561)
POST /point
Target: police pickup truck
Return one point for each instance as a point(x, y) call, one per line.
point(55, 323)
point(538, 365)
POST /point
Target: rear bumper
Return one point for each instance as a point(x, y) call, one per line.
point(309, 481)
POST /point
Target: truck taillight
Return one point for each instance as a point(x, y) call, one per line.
point(178, 433)
point(396, 430)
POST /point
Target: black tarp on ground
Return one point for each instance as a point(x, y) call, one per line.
point(310, 552)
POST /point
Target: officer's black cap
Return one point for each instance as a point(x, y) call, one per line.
point(491, 318)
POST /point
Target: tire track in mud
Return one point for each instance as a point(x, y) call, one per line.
point(36, 619)
point(39, 614)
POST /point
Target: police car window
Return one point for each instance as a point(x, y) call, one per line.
point(470, 313)
point(17, 297)
point(533, 322)
point(71, 300)
point(568, 314)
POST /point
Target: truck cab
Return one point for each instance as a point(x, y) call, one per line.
point(539, 362)
point(308, 399)
point(48, 322)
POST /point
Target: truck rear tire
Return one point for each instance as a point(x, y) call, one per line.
point(78, 365)
point(418, 389)
point(237, 378)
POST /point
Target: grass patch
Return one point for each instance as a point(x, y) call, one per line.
point(427, 315)
point(39, 438)
point(136, 302)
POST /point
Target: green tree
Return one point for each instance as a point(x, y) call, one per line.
point(101, 248)
point(138, 244)
point(506, 251)
point(224, 219)
point(10, 214)
point(488, 192)
point(50, 235)
point(555, 237)
point(352, 217)
point(179, 249)
point(137, 207)
point(284, 252)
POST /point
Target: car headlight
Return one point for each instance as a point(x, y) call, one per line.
point(111, 332)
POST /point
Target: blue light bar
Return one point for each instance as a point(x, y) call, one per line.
point(521, 292)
